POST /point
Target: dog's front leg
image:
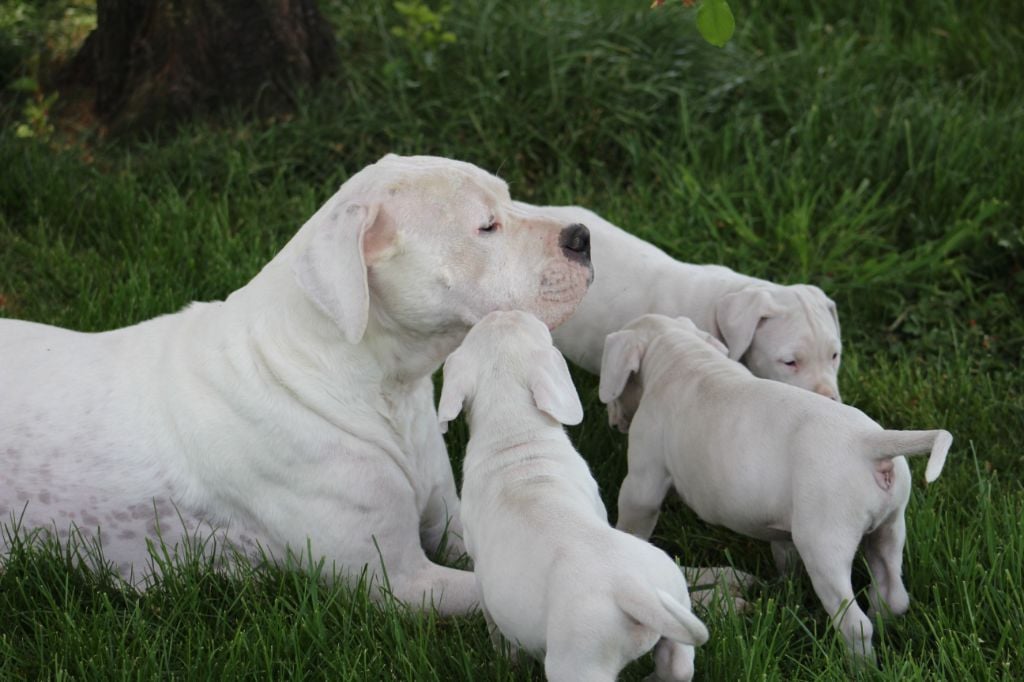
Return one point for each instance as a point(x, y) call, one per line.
point(440, 523)
point(402, 568)
point(441, 531)
point(641, 495)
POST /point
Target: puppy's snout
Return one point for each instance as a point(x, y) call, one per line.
point(575, 243)
point(828, 392)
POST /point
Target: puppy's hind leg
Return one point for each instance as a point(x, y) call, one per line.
point(561, 666)
point(828, 558)
point(641, 495)
point(579, 645)
point(673, 662)
point(884, 551)
point(498, 640)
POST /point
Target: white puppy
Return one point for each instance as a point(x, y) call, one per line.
point(766, 460)
point(300, 409)
point(554, 577)
point(785, 333)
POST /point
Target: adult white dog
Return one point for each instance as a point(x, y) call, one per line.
point(785, 333)
point(300, 409)
point(554, 577)
point(766, 460)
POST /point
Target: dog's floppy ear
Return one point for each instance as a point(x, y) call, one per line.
point(552, 388)
point(454, 390)
point(833, 311)
point(820, 297)
point(738, 315)
point(331, 270)
point(623, 351)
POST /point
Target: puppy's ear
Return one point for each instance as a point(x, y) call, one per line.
point(553, 390)
point(819, 297)
point(331, 270)
point(834, 312)
point(623, 351)
point(455, 390)
point(738, 315)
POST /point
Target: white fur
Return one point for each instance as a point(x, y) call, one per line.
point(765, 325)
point(766, 460)
point(554, 577)
point(298, 410)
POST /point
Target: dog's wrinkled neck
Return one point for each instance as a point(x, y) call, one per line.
point(404, 355)
point(301, 335)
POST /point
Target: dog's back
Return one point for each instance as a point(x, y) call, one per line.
point(82, 446)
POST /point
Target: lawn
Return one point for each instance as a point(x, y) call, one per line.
point(875, 149)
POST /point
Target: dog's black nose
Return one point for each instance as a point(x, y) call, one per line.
point(575, 242)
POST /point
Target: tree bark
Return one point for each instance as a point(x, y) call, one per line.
point(153, 61)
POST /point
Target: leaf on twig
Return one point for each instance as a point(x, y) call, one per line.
point(715, 22)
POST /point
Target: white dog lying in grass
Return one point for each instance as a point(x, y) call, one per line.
point(554, 576)
point(765, 460)
point(299, 412)
point(785, 333)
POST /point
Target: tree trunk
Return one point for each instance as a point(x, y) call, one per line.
point(151, 61)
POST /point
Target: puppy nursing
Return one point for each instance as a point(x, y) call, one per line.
point(764, 459)
point(786, 333)
point(554, 577)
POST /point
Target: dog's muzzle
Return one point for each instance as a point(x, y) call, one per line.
point(575, 243)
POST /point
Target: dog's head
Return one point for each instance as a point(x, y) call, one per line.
point(509, 355)
point(621, 386)
point(425, 245)
point(785, 333)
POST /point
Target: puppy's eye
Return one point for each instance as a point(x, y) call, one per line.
point(491, 226)
point(789, 363)
point(835, 356)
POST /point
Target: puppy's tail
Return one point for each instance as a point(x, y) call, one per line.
point(661, 612)
point(884, 445)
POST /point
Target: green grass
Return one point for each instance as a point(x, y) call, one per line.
point(875, 150)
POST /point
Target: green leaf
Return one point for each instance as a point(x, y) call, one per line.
point(24, 84)
point(715, 22)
